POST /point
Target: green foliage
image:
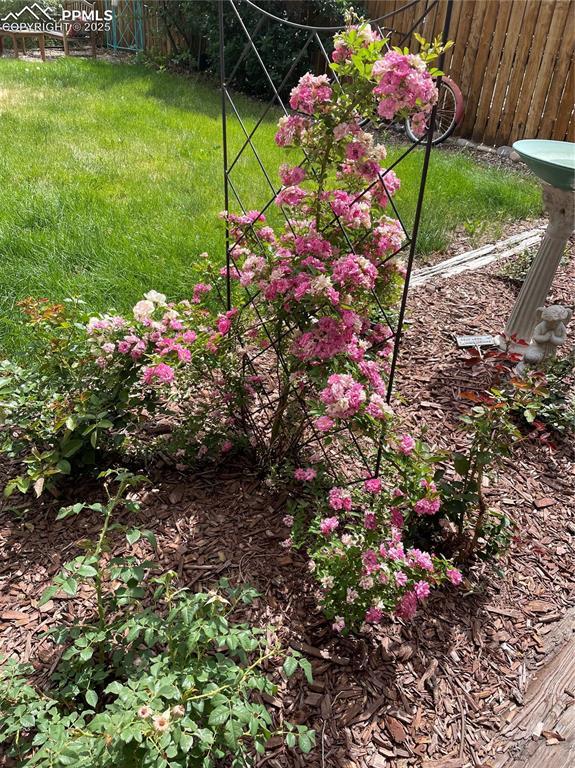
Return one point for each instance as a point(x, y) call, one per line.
point(61, 412)
point(517, 267)
point(432, 49)
point(277, 44)
point(557, 407)
point(495, 426)
point(160, 680)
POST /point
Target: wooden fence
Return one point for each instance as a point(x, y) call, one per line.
point(513, 60)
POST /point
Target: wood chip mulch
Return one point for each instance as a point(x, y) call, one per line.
point(434, 693)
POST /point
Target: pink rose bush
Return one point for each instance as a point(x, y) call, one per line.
point(320, 281)
point(160, 338)
point(94, 380)
point(172, 353)
point(365, 540)
point(322, 278)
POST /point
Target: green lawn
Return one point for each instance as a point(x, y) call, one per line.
point(112, 181)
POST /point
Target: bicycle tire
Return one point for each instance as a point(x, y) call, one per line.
point(453, 110)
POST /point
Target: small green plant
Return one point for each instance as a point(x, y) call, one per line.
point(160, 680)
point(495, 423)
point(517, 267)
point(62, 410)
point(557, 408)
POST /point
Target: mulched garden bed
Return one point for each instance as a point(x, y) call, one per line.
point(433, 693)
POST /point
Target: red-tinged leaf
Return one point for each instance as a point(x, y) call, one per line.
point(473, 397)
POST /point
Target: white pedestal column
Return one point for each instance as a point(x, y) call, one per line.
point(560, 205)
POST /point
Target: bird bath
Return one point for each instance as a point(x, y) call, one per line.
point(554, 163)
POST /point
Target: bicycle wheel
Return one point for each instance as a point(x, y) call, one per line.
point(448, 115)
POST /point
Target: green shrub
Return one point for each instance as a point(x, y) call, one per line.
point(277, 44)
point(62, 410)
point(495, 425)
point(160, 680)
point(557, 407)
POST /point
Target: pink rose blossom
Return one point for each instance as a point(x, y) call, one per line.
point(343, 396)
point(454, 576)
point(324, 423)
point(370, 562)
point(400, 578)
point(427, 506)
point(339, 499)
point(373, 485)
point(305, 474)
point(421, 589)
point(421, 559)
point(339, 624)
point(407, 606)
point(328, 525)
point(373, 615)
point(162, 372)
point(291, 175)
point(406, 445)
point(370, 521)
point(351, 595)
point(310, 94)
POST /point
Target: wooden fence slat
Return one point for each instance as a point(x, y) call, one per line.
point(394, 21)
point(454, 23)
point(466, 78)
point(477, 74)
point(553, 43)
point(565, 111)
point(530, 41)
point(511, 38)
point(440, 19)
point(466, 17)
point(491, 69)
point(547, 125)
point(531, 71)
point(404, 21)
point(429, 24)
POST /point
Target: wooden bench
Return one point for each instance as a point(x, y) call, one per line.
point(23, 34)
point(66, 35)
point(69, 33)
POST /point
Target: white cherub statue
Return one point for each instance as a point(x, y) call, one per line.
point(549, 333)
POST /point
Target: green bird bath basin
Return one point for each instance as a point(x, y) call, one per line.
point(552, 161)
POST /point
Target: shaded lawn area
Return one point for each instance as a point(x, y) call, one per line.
point(112, 182)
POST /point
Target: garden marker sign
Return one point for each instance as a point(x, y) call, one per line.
point(243, 134)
